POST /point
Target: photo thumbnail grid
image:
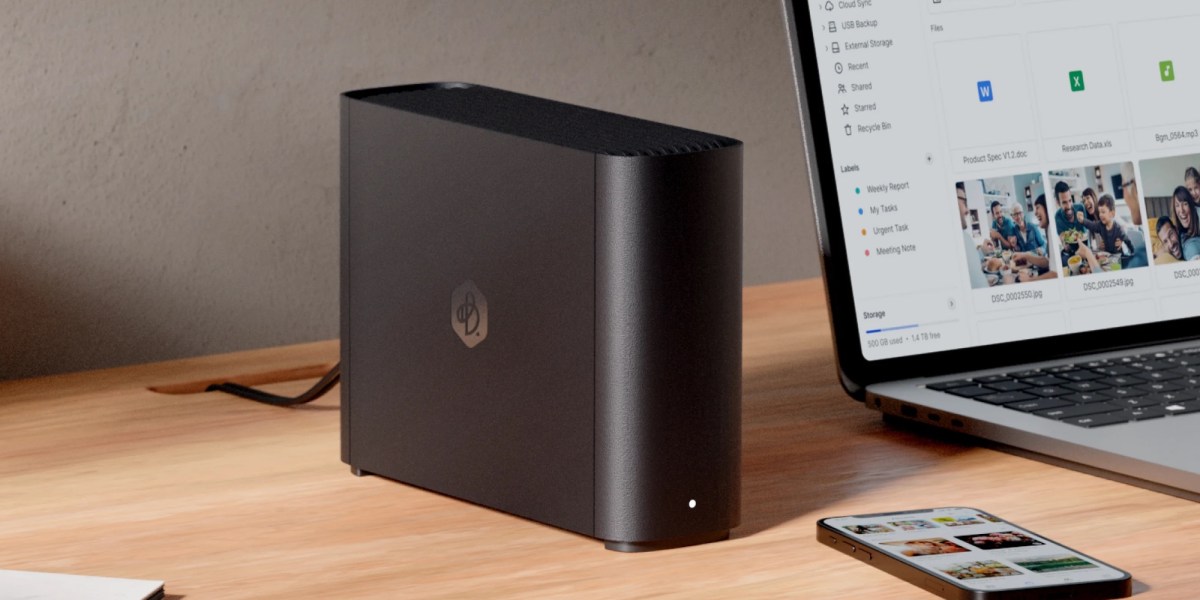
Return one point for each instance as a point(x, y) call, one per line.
point(972, 556)
point(1084, 220)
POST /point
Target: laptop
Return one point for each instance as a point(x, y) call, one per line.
point(1006, 200)
point(30, 585)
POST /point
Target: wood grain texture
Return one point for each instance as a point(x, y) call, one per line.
point(224, 498)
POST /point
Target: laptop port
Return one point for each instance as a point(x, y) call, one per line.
point(956, 422)
point(934, 417)
point(908, 411)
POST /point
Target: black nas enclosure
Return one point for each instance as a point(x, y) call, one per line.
point(541, 310)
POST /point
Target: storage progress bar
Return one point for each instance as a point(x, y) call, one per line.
point(913, 326)
point(897, 328)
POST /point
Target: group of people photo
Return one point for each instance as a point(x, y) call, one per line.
point(1098, 219)
point(1172, 198)
point(1004, 222)
point(1090, 220)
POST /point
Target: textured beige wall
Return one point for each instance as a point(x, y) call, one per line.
point(169, 170)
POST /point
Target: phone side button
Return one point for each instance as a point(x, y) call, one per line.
point(864, 555)
point(933, 585)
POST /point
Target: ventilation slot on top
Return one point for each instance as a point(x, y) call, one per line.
point(548, 121)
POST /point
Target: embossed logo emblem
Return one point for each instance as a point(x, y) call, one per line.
point(468, 314)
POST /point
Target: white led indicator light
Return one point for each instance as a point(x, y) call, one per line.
point(691, 504)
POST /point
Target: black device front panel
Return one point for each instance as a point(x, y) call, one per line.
point(469, 313)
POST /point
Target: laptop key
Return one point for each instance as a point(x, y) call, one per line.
point(1117, 370)
point(1078, 410)
point(1080, 375)
point(1182, 408)
point(992, 379)
point(1037, 404)
point(945, 385)
point(1026, 374)
point(1085, 398)
point(1137, 402)
point(1121, 380)
point(1156, 365)
point(1044, 380)
point(1168, 375)
point(1159, 386)
point(1125, 392)
point(1007, 386)
point(1049, 391)
point(1005, 397)
point(1086, 386)
point(969, 391)
point(1060, 369)
point(1146, 412)
point(1179, 396)
point(1099, 420)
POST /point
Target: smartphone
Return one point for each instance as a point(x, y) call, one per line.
point(966, 553)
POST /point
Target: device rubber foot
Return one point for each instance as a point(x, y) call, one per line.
point(667, 544)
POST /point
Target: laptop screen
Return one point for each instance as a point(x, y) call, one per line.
point(1011, 169)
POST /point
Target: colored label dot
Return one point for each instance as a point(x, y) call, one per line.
point(860, 211)
point(864, 231)
point(858, 191)
point(867, 252)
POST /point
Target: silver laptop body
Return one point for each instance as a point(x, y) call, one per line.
point(846, 60)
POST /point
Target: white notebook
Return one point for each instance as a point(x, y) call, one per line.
point(27, 585)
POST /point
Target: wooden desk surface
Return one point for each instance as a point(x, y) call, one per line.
point(225, 498)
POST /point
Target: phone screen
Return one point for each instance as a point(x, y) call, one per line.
point(973, 549)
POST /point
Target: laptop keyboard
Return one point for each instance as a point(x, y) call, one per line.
point(1094, 393)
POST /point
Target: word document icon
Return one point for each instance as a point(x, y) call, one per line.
point(985, 91)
